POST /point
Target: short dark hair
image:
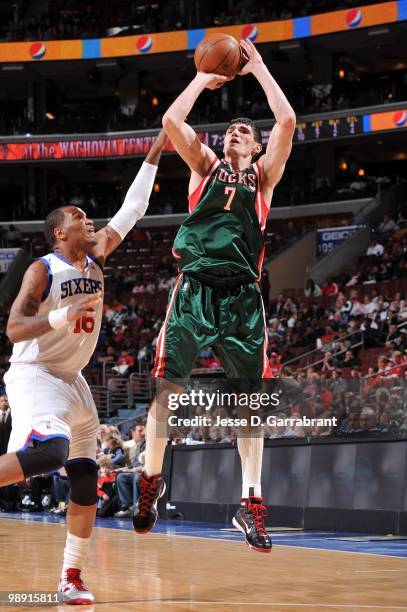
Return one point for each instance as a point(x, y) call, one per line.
point(250, 122)
point(53, 220)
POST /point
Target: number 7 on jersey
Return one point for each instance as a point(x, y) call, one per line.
point(230, 191)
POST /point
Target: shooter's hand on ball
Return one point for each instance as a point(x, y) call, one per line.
point(251, 56)
point(213, 81)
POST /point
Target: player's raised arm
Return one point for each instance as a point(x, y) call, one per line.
point(183, 137)
point(280, 141)
point(135, 203)
point(24, 322)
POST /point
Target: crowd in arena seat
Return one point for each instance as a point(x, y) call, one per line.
point(271, 10)
point(109, 114)
point(344, 346)
point(94, 18)
point(356, 372)
point(73, 19)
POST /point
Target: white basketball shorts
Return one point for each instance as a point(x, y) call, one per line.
point(44, 406)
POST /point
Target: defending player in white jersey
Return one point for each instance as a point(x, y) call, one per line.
point(54, 324)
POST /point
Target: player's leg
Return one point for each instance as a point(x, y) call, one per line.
point(188, 327)
point(242, 351)
point(82, 471)
point(39, 440)
point(41, 458)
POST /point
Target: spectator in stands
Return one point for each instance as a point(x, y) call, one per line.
point(354, 380)
point(398, 364)
point(312, 289)
point(368, 419)
point(401, 219)
point(60, 492)
point(105, 488)
point(338, 383)
point(375, 249)
point(352, 424)
point(102, 437)
point(387, 227)
point(280, 429)
point(290, 233)
point(114, 450)
point(289, 308)
point(277, 306)
point(124, 363)
point(393, 337)
point(166, 281)
point(13, 237)
point(330, 289)
point(107, 355)
point(275, 364)
point(350, 360)
point(370, 333)
point(325, 342)
point(276, 333)
point(137, 433)
point(5, 423)
point(139, 287)
point(127, 480)
point(6, 493)
point(328, 363)
point(383, 365)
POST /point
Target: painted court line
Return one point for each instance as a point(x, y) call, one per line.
point(269, 604)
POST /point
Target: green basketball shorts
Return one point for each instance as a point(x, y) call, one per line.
point(229, 318)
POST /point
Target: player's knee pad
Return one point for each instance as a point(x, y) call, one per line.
point(83, 474)
point(43, 457)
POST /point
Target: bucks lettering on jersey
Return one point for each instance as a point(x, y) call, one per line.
point(64, 352)
point(222, 238)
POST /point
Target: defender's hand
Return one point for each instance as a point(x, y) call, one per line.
point(84, 306)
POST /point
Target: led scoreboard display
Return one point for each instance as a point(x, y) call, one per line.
point(308, 131)
point(328, 129)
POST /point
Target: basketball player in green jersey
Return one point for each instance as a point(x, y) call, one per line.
point(216, 299)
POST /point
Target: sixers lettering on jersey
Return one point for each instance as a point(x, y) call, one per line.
point(64, 352)
point(77, 286)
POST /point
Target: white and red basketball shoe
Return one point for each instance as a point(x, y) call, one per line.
point(72, 588)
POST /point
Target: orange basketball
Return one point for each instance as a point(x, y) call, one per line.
point(218, 53)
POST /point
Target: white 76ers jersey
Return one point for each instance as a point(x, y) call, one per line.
point(65, 351)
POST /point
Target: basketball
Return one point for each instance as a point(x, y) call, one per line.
point(218, 54)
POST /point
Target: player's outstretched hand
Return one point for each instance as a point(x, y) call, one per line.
point(161, 141)
point(84, 306)
point(213, 81)
point(251, 56)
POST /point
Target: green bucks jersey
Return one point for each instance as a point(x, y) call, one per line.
point(222, 238)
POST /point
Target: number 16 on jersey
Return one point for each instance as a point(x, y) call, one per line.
point(86, 324)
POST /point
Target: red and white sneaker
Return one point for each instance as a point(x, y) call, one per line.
point(249, 519)
point(72, 588)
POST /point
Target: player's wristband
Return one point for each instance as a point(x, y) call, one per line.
point(58, 318)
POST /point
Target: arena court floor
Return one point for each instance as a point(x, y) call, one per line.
point(185, 566)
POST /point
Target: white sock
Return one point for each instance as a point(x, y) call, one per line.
point(75, 553)
point(251, 456)
point(156, 441)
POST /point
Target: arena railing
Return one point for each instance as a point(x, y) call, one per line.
point(317, 351)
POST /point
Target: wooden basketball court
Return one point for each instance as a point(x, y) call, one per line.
point(174, 572)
